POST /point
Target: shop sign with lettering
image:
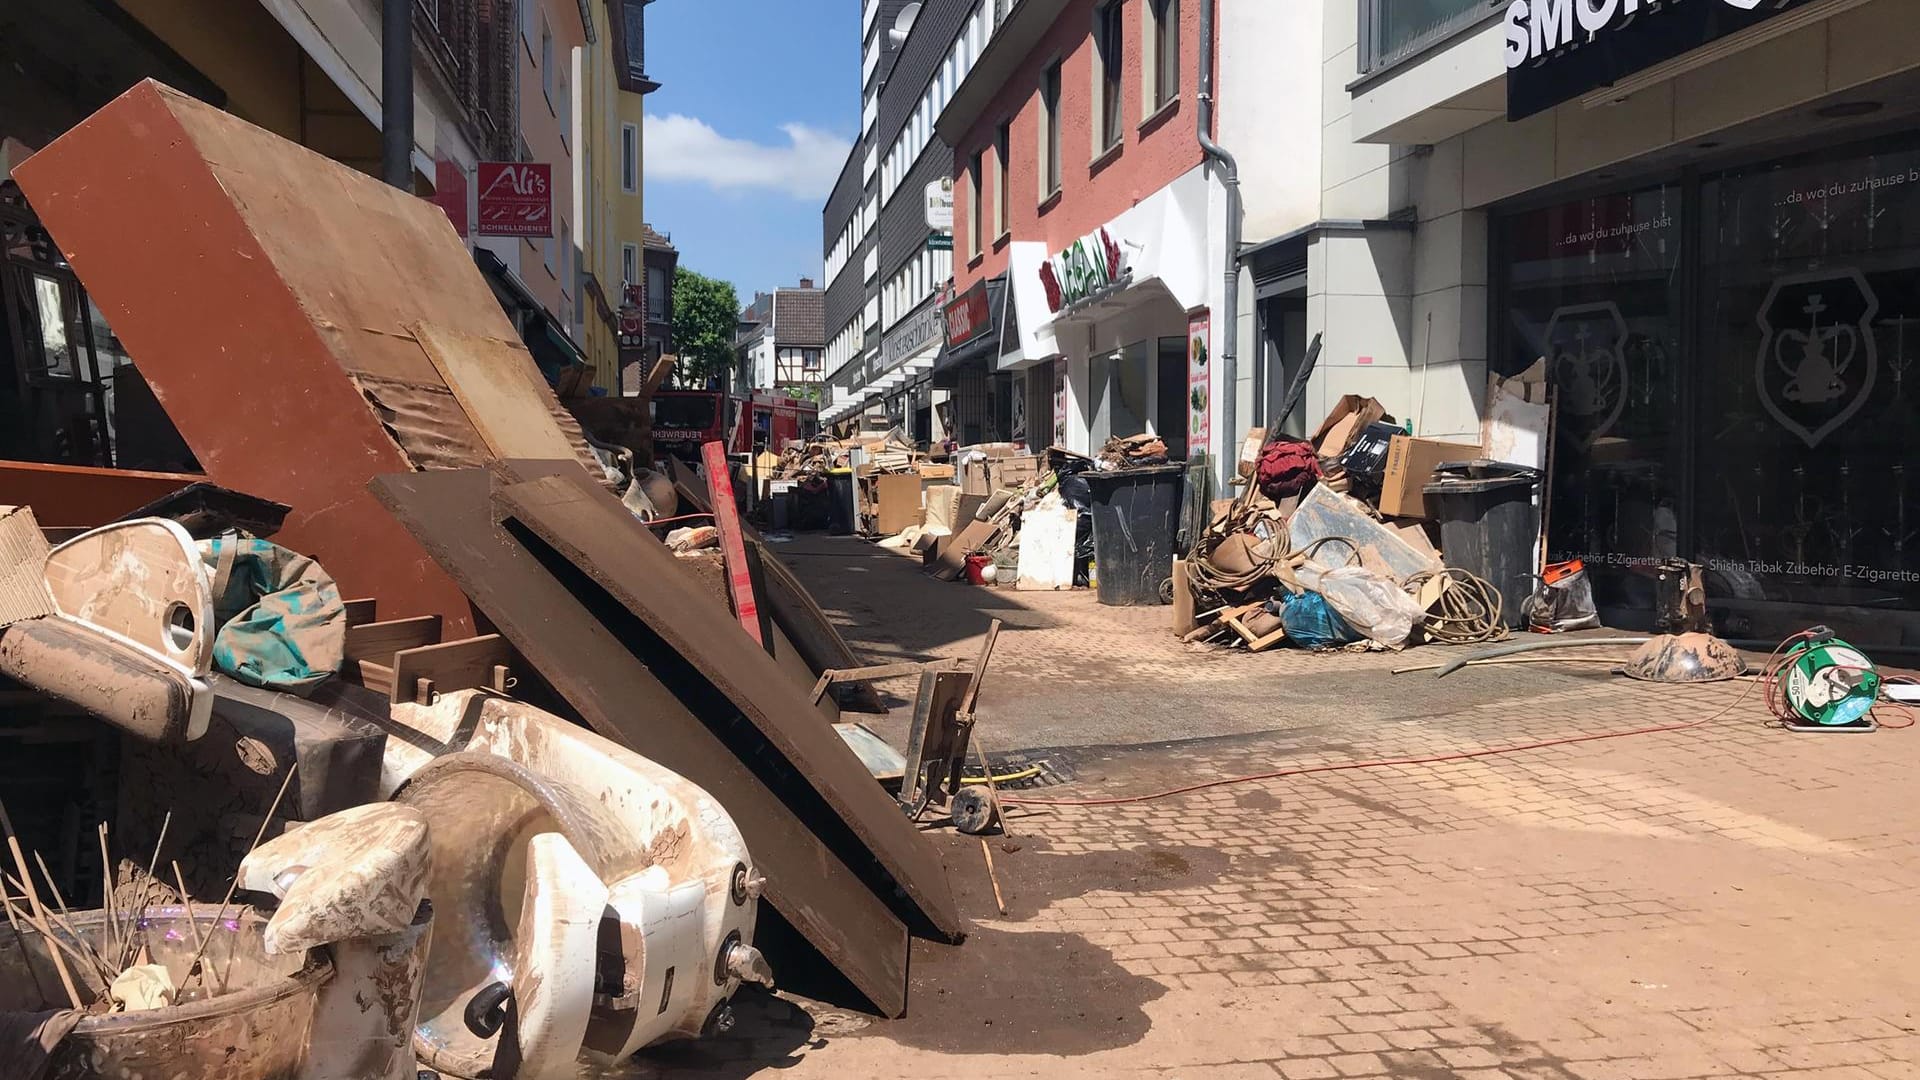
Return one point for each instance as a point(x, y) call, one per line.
point(1558, 50)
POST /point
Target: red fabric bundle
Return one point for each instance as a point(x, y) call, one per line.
point(1287, 468)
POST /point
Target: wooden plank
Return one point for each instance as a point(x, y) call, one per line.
point(493, 381)
point(733, 545)
point(450, 665)
point(586, 662)
point(591, 530)
point(794, 609)
point(977, 535)
point(877, 671)
point(378, 641)
point(361, 612)
point(376, 677)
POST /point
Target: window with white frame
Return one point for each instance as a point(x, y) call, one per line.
point(630, 158)
point(976, 217)
point(1049, 127)
point(1002, 168)
point(629, 264)
point(529, 29)
point(566, 259)
point(564, 105)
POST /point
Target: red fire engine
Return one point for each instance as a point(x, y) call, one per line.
point(684, 419)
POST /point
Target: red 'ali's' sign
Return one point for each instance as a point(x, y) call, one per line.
point(967, 315)
point(516, 198)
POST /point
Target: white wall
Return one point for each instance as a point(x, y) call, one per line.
point(1270, 95)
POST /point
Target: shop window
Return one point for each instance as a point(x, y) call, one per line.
point(1593, 293)
point(1109, 48)
point(1122, 388)
point(1810, 323)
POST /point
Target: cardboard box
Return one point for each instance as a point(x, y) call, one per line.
point(977, 479)
point(897, 502)
point(1410, 464)
point(1016, 471)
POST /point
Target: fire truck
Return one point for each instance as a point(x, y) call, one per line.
point(684, 419)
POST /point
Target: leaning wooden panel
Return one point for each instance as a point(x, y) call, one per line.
point(602, 539)
point(494, 383)
point(564, 640)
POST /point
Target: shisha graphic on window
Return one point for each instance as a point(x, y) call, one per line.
point(1818, 359)
point(1587, 364)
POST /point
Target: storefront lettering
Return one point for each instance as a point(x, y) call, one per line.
point(1632, 228)
point(1841, 188)
point(1538, 28)
point(1092, 263)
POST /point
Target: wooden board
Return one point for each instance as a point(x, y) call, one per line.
point(493, 382)
point(898, 502)
point(1183, 623)
point(794, 609)
point(733, 545)
point(450, 665)
point(362, 611)
point(378, 641)
point(953, 560)
point(556, 626)
point(591, 530)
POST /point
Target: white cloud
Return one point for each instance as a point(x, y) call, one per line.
point(684, 148)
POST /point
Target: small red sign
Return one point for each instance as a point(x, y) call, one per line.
point(516, 198)
point(450, 191)
point(968, 316)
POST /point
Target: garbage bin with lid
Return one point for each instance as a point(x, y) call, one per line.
point(840, 513)
point(1136, 515)
point(1488, 527)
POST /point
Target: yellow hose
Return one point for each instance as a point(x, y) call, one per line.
point(1033, 770)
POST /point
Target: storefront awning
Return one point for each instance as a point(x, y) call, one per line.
point(973, 326)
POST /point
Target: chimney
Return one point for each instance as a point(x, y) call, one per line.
point(806, 283)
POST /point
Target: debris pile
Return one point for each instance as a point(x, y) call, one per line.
point(308, 662)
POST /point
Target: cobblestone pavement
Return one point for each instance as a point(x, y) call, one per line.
point(1724, 900)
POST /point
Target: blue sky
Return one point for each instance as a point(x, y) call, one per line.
point(759, 101)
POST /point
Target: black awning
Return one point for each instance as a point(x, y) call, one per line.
point(984, 342)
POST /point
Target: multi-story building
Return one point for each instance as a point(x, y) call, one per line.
point(1089, 231)
point(781, 343)
point(1695, 220)
point(549, 81)
point(659, 259)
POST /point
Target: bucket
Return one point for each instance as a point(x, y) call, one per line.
point(976, 567)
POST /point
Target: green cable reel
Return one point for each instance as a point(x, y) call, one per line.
point(1828, 682)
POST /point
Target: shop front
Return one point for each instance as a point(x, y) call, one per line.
point(1728, 331)
point(1099, 339)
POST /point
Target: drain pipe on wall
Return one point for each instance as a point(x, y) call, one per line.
point(1228, 358)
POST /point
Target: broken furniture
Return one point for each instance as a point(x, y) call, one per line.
point(613, 669)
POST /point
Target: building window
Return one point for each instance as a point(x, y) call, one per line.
point(1108, 44)
point(976, 219)
point(528, 8)
point(546, 60)
point(812, 361)
point(546, 255)
point(565, 103)
point(630, 158)
point(1163, 66)
point(629, 263)
point(656, 294)
point(1050, 132)
point(1002, 149)
point(566, 259)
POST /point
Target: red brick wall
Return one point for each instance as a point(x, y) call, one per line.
point(1091, 193)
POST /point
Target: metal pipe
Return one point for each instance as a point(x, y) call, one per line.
point(1228, 358)
point(396, 93)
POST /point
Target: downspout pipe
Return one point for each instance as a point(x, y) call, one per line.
point(396, 94)
point(1228, 353)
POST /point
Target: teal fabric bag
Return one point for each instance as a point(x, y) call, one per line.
point(282, 623)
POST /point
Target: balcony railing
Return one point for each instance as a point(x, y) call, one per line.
point(1393, 30)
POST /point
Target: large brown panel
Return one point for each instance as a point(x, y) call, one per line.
point(268, 295)
point(565, 640)
point(600, 537)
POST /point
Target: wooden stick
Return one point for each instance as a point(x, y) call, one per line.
point(987, 850)
point(258, 836)
point(64, 919)
point(34, 906)
point(146, 890)
point(199, 939)
point(20, 942)
point(106, 894)
point(36, 918)
point(993, 789)
point(1499, 660)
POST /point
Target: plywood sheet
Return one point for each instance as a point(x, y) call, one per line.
point(592, 531)
point(1046, 548)
point(495, 383)
point(557, 625)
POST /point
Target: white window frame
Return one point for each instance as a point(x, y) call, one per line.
point(1155, 94)
point(529, 8)
point(629, 264)
point(976, 208)
point(630, 158)
point(1102, 14)
point(1050, 153)
point(546, 63)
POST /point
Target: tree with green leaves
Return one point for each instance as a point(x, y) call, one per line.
point(706, 312)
